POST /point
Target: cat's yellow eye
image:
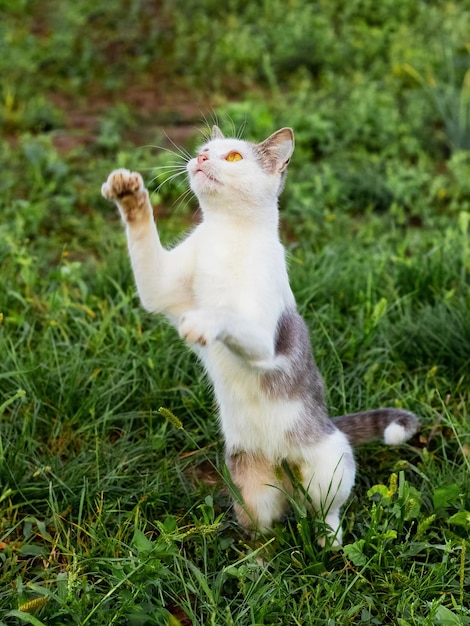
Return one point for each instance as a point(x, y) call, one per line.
point(233, 156)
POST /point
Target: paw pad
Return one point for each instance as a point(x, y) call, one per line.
point(122, 183)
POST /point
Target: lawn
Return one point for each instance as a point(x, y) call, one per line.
point(114, 502)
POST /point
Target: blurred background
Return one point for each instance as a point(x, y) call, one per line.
point(378, 93)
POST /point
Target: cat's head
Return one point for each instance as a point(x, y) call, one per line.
point(229, 172)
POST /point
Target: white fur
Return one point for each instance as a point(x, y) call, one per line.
point(328, 473)
point(395, 434)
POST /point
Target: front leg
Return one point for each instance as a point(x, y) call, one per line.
point(132, 198)
point(163, 277)
point(243, 336)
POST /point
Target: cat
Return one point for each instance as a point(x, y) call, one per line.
point(226, 289)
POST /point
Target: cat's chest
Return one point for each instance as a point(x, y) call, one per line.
point(221, 275)
point(240, 269)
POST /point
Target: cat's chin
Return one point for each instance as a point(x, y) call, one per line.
point(201, 174)
point(202, 183)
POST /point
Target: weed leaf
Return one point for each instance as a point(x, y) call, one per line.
point(26, 618)
point(355, 552)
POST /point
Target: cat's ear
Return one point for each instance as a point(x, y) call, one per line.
point(216, 133)
point(277, 149)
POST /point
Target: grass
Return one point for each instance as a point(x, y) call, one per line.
point(114, 501)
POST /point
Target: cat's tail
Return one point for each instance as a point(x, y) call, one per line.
point(394, 426)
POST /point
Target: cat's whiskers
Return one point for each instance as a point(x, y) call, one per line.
point(168, 179)
point(174, 170)
point(184, 199)
point(209, 122)
point(241, 130)
point(180, 151)
point(206, 134)
point(171, 170)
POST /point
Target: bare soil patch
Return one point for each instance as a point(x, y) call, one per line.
point(177, 111)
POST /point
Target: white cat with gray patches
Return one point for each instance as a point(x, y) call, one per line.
point(226, 289)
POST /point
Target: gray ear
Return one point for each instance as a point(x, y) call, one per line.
point(278, 148)
point(216, 133)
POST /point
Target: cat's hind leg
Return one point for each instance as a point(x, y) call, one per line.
point(262, 491)
point(327, 474)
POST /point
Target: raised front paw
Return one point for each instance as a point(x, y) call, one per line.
point(127, 189)
point(199, 327)
point(122, 183)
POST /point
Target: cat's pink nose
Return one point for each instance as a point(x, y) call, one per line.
point(201, 158)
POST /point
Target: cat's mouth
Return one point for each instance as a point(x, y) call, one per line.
point(208, 175)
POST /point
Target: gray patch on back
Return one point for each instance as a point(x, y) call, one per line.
point(298, 379)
